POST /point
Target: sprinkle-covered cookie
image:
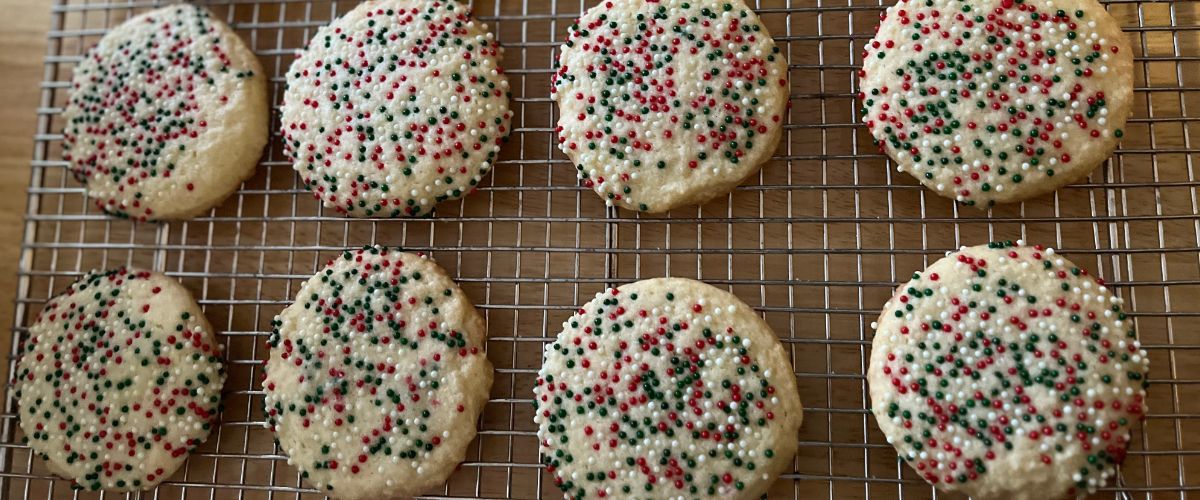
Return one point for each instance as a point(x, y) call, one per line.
point(669, 103)
point(997, 101)
point(1005, 371)
point(666, 388)
point(377, 375)
point(120, 379)
point(395, 107)
point(167, 115)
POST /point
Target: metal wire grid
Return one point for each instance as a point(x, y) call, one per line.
point(815, 243)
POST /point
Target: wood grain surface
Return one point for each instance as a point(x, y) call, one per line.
point(816, 242)
point(23, 27)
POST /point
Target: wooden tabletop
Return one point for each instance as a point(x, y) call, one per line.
point(22, 47)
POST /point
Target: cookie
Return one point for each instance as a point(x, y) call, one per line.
point(997, 101)
point(669, 103)
point(377, 375)
point(395, 107)
point(1005, 371)
point(167, 115)
point(666, 388)
point(120, 379)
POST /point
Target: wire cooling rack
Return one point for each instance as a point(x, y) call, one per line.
point(816, 242)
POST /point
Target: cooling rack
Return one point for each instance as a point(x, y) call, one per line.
point(815, 243)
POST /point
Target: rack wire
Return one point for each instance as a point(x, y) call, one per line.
point(815, 243)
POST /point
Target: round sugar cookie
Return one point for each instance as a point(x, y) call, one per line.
point(120, 379)
point(669, 103)
point(666, 388)
point(377, 375)
point(1005, 371)
point(997, 101)
point(167, 115)
point(395, 107)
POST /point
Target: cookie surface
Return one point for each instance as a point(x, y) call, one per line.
point(666, 388)
point(395, 107)
point(119, 381)
point(167, 115)
point(670, 103)
point(997, 101)
point(377, 375)
point(1005, 371)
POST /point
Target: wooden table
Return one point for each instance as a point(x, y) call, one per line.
point(23, 30)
